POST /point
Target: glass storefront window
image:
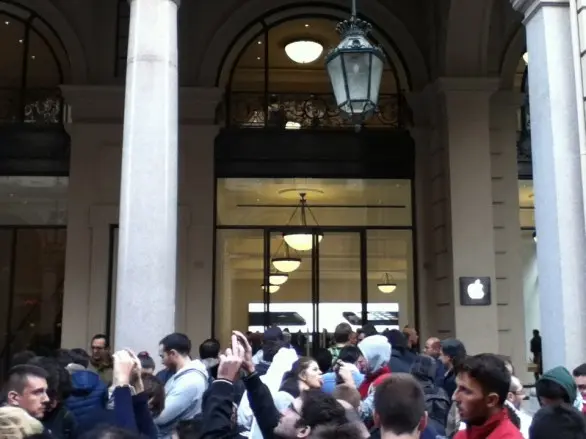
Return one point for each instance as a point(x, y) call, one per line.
point(390, 262)
point(334, 202)
point(338, 274)
point(526, 204)
point(33, 213)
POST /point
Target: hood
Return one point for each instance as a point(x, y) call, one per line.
point(377, 352)
point(561, 376)
point(210, 362)
point(85, 382)
point(196, 365)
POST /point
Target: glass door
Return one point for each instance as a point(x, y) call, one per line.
point(288, 285)
point(340, 283)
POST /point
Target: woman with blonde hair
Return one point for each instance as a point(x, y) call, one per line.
point(16, 423)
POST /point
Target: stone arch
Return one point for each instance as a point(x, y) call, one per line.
point(236, 31)
point(510, 61)
point(68, 38)
point(466, 49)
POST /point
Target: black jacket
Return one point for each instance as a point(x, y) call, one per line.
point(219, 405)
point(401, 361)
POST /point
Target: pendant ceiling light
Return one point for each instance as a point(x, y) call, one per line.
point(286, 264)
point(272, 288)
point(355, 68)
point(387, 286)
point(278, 278)
point(301, 238)
point(304, 51)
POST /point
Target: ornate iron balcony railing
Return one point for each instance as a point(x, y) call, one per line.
point(39, 106)
point(306, 111)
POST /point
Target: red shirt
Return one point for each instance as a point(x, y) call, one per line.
point(369, 380)
point(497, 427)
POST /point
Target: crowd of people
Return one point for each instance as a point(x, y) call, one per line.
point(365, 385)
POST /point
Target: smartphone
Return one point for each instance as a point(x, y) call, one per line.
point(276, 318)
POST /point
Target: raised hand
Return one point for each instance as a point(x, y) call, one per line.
point(247, 363)
point(231, 362)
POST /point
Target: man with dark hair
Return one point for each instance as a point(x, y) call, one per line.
point(580, 379)
point(399, 407)
point(209, 354)
point(483, 383)
point(535, 348)
point(342, 335)
point(26, 387)
point(311, 410)
point(556, 386)
point(101, 359)
point(272, 342)
point(560, 421)
point(184, 390)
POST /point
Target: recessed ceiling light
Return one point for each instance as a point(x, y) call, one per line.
point(304, 51)
point(260, 42)
point(33, 57)
point(20, 41)
point(7, 23)
point(258, 57)
point(306, 25)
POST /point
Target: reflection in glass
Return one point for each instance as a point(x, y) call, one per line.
point(239, 279)
point(390, 253)
point(33, 264)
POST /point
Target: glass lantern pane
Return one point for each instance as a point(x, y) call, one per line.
point(357, 69)
point(336, 73)
point(376, 74)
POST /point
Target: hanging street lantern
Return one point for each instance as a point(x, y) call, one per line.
point(355, 69)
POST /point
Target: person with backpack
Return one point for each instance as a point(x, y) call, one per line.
point(437, 403)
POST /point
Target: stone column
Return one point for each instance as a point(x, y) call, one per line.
point(145, 302)
point(559, 214)
point(469, 190)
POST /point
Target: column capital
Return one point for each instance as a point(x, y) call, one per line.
point(529, 7)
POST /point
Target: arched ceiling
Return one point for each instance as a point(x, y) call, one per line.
point(267, 53)
point(467, 38)
point(238, 28)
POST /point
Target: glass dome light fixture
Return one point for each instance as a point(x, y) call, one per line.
point(272, 288)
point(304, 51)
point(355, 69)
point(386, 286)
point(278, 278)
point(286, 264)
point(301, 238)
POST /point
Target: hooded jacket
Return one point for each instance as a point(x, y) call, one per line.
point(183, 397)
point(377, 352)
point(561, 376)
point(89, 393)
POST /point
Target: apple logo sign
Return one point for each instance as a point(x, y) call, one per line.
point(475, 290)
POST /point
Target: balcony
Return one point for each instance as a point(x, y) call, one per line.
point(32, 133)
point(31, 106)
point(294, 111)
